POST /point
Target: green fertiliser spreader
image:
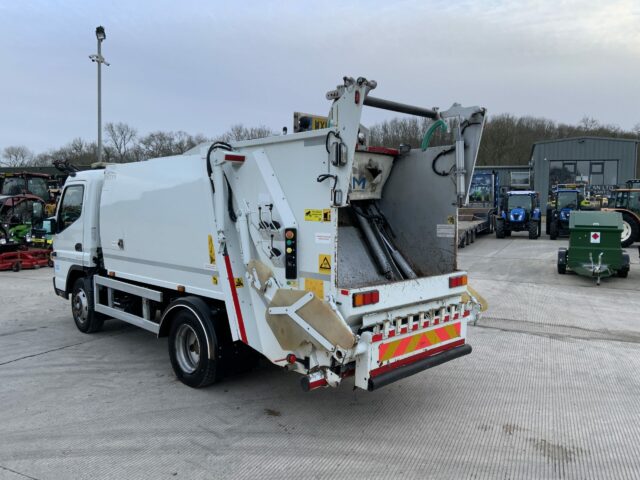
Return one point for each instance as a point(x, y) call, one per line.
point(594, 246)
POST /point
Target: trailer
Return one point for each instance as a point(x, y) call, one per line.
point(478, 215)
point(325, 255)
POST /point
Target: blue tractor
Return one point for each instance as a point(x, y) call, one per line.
point(519, 212)
point(565, 200)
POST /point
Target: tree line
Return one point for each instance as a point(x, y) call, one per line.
point(506, 140)
point(122, 143)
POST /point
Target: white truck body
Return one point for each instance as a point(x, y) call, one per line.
point(266, 232)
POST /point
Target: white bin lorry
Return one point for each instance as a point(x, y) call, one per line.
point(327, 256)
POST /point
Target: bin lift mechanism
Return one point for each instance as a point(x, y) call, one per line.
point(336, 143)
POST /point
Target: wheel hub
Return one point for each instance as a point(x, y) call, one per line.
point(187, 348)
point(626, 230)
point(80, 306)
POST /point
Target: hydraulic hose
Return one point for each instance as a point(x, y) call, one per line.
point(432, 129)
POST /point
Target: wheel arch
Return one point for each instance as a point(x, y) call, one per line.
point(75, 272)
point(200, 310)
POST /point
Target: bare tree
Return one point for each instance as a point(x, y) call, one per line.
point(16, 156)
point(121, 139)
point(240, 132)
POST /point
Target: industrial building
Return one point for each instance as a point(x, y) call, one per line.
point(602, 163)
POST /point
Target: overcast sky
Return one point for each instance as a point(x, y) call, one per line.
point(201, 66)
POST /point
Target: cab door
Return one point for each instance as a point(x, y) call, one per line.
point(68, 245)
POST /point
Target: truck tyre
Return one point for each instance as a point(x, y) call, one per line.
point(499, 228)
point(534, 229)
point(188, 350)
point(86, 318)
point(562, 261)
point(553, 230)
point(624, 271)
point(630, 230)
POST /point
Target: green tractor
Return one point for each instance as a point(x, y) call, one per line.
point(19, 214)
point(627, 202)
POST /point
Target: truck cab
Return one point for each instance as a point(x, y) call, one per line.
point(76, 228)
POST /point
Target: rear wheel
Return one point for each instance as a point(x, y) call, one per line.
point(500, 228)
point(630, 230)
point(84, 315)
point(189, 346)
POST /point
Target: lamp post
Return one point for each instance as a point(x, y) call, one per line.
point(99, 59)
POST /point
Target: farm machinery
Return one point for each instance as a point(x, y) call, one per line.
point(519, 212)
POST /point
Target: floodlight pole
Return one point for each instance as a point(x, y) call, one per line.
point(99, 59)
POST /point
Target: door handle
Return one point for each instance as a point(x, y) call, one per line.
point(78, 247)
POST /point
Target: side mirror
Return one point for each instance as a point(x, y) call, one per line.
point(50, 225)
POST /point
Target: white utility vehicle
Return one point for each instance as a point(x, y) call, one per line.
point(327, 256)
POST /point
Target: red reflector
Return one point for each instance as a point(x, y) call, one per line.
point(459, 281)
point(357, 97)
point(234, 158)
point(366, 298)
point(344, 292)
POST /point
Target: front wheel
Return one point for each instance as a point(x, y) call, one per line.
point(189, 346)
point(630, 230)
point(84, 315)
point(500, 229)
point(553, 229)
point(534, 230)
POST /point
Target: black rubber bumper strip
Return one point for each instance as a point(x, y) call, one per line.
point(413, 368)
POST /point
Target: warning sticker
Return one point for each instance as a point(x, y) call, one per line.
point(212, 253)
point(325, 238)
point(239, 282)
point(326, 215)
point(324, 263)
point(595, 237)
point(311, 215)
point(444, 230)
point(314, 286)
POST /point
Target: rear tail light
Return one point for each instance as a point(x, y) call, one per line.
point(459, 281)
point(366, 298)
point(229, 157)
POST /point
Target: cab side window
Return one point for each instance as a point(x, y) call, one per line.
point(71, 206)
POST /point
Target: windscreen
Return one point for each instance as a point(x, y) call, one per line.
point(13, 186)
point(567, 200)
point(520, 201)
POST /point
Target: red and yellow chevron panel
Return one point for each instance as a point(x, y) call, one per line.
point(387, 351)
